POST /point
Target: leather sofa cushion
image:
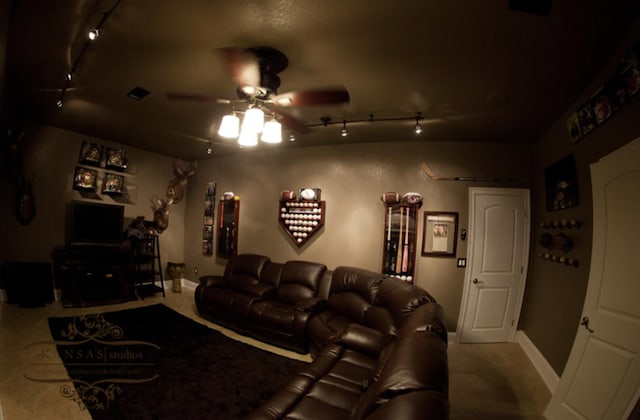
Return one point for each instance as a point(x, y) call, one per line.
point(417, 362)
point(299, 280)
point(244, 269)
point(401, 298)
point(363, 339)
point(273, 315)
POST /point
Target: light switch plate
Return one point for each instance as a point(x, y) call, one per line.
point(462, 262)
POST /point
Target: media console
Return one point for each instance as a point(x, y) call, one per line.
point(91, 276)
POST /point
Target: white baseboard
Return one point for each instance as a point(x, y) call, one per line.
point(549, 376)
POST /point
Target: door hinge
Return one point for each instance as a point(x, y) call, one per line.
point(512, 321)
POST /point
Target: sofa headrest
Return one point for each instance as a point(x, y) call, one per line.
point(245, 269)
point(356, 280)
point(401, 298)
point(271, 273)
point(300, 280)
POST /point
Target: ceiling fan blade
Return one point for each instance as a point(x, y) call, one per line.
point(311, 97)
point(292, 123)
point(193, 97)
point(242, 66)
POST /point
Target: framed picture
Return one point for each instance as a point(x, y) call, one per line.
point(561, 185)
point(113, 184)
point(116, 159)
point(85, 179)
point(90, 154)
point(440, 235)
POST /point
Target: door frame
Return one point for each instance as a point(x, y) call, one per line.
point(473, 191)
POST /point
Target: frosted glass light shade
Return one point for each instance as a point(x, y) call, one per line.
point(248, 138)
point(229, 127)
point(272, 132)
point(253, 120)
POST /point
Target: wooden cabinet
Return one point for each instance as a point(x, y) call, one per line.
point(228, 215)
point(400, 237)
point(93, 275)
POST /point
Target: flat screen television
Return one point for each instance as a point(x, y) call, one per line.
point(94, 224)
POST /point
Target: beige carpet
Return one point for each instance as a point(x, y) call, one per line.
point(494, 381)
point(487, 381)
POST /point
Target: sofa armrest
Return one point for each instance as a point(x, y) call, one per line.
point(363, 339)
point(312, 304)
point(208, 281)
point(259, 289)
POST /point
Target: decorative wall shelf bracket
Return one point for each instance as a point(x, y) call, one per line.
point(301, 219)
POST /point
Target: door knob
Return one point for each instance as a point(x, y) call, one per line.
point(585, 323)
point(476, 281)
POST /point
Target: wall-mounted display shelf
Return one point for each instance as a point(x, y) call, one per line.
point(301, 219)
point(400, 230)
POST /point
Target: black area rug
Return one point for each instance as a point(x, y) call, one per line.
point(154, 363)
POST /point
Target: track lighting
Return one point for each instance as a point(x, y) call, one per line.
point(344, 132)
point(94, 33)
point(292, 136)
point(209, 149)
point(418, 128)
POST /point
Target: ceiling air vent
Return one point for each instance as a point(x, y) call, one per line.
point(138, 93)
point(535, 7)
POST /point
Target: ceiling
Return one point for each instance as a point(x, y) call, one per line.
point(475, 70)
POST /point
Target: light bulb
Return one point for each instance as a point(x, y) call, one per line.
point(253, 120)
point(272, 132)
point(229, 127)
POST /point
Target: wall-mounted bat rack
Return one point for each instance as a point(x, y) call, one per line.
point(400, 238)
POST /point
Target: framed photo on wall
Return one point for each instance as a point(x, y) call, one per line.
point(440, 235)
point(90, 154)
point(113, 184)
point(561, 184)
point(116, 159)
point(85, 179)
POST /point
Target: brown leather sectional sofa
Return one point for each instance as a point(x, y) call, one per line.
point(379, 344)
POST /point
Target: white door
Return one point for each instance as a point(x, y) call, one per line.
point(602, 377)
point(498, 254)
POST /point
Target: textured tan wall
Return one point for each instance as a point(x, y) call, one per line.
point(555, 294)
point(352, 178)
point(51, 156)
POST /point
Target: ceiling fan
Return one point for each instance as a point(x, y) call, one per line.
point(255, 72)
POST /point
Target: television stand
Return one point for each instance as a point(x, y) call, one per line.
point(90, 276)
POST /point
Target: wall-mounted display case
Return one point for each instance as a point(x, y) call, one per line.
point(301, 219)
point(228, 214)
point(400, 233)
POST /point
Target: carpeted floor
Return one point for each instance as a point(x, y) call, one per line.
point(154, 363)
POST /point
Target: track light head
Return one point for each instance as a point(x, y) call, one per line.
point(418, 127)
point(94, 33)
point(59, 104)
point(344, 132)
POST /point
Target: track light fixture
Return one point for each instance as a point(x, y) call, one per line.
point(418, 128)
point(209, 149)
point(92, 35)
point(344, 132)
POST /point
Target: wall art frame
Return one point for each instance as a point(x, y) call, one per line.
point(113, 184)
point(561, 184)
point(90, 153)
point(85, 179)
point(440, 235)
point(116, 159)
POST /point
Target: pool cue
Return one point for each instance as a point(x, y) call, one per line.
point(399, 256)
point(405, 254)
